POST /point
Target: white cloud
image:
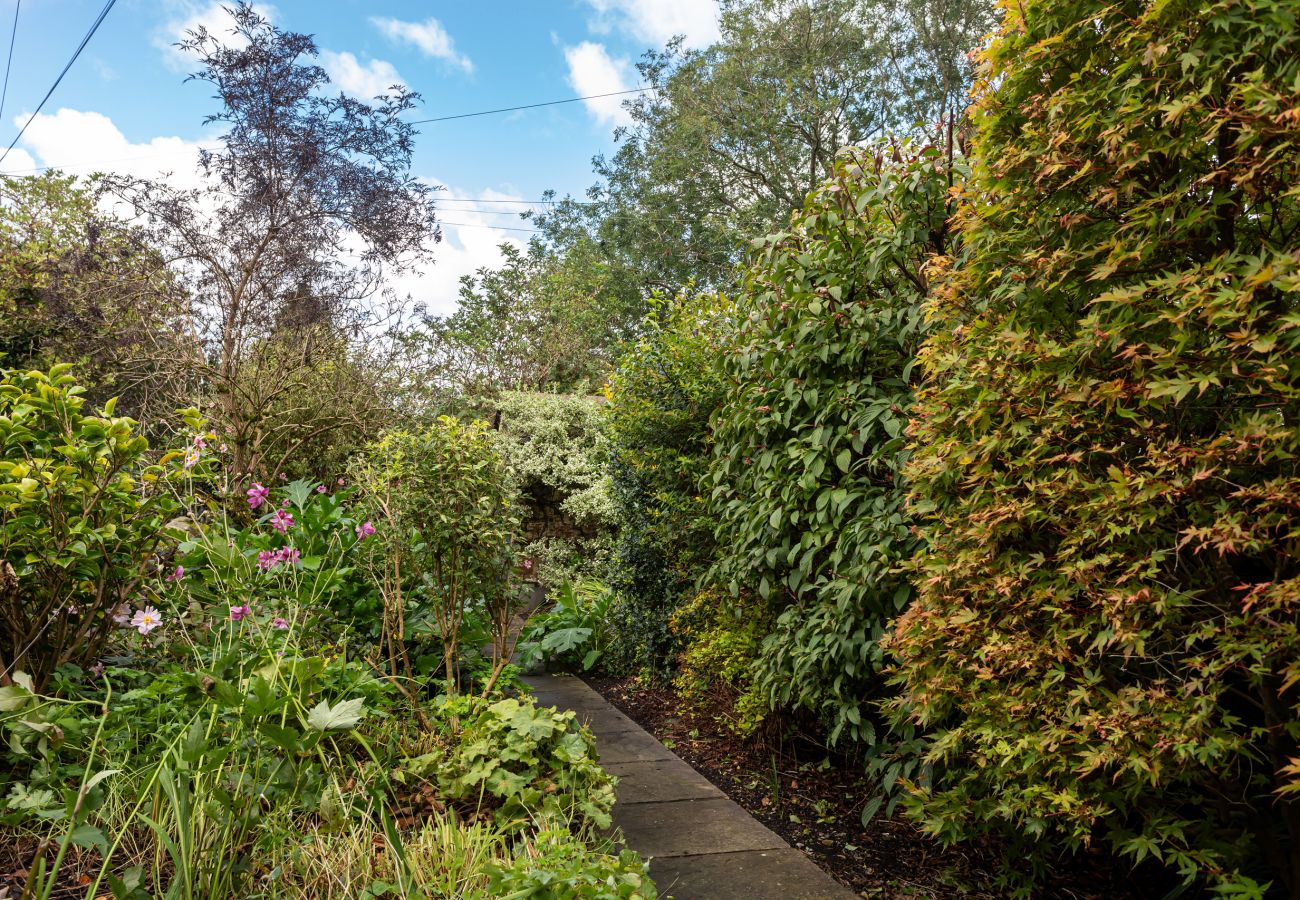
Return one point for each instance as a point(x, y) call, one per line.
point(658, 21)
point(465, 248)
point(188, 15)
point(365, 82)
point(429, 36)
point(84, 142)
point(592, 71)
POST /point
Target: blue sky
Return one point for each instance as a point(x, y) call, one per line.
point(124, 105)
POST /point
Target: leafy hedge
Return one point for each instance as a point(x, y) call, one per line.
point(1108, 453)
point(662, 398)
point(809, 442)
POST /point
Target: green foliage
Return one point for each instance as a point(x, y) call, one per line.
point(81, 514)
point(531, 763)
point(541, 321)
point(77, 284)
point(557, 866)
point(809, 443)
point(1105, 634)
point(662, 398)
point(556, 449)
point(720, 644)
point(194, 760)
point(446, 515)
point(574, 633)
point(736, 134)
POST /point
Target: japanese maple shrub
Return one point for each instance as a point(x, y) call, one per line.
point(1107, 451)
point(809, 444)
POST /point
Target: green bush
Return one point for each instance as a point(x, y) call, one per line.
point(574, 633)
point(554, 865)
point(556, 448)
point(81, 514)
point(1107, 456)
point(720, 643)
point(533, 764)
point(809, 444)
point(446, 520)
point(662, 399)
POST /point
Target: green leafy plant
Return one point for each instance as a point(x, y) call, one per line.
point(720, 644)
point(82, 512)
point(446, 517)
point(662, 399)
point(555, 865)
point(573, 633)
point(1105, 640)
point(531, 763)
point(809, 446)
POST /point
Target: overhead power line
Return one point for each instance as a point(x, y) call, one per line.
point(485, 112)
point(82, 46)
point(13, 36)
point(489, 112)
point(485, 225)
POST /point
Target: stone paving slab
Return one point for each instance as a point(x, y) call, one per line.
point(700, 843)
point(631, 746)
point(745, 875)
point(692, 827)
point(660, 780)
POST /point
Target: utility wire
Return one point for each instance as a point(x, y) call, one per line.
point(82, 46)
point(485, 225)
point(13, 36)
point(485, 112)
point(489, 112)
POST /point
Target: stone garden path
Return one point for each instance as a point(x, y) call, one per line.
point(701, 845)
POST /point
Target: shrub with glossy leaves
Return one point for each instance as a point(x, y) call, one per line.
point(1108, 451)
point(809, 444)
point(81, 513)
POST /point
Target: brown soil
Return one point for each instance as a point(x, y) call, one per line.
point(17, 859)
point(815, 802)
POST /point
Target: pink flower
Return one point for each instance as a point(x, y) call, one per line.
point(97, 670)
point(177, 574)
point(284, 477)
point(222, 449)
point(146, 620)
point(199, 441)
point(268, 559)
point(289, 555)
point(280, 624)
point(340, 482)
point(122, 615)
point(365, 530)
point(320, 488)
point(282, 520)
point(257, 495)
point(191, 458)
point(239, 612)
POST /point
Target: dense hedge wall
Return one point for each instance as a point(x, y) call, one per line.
point(1107, 454)
point(662, 398)
point(806, 491)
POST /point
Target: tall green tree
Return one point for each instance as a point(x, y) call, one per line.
point(735, 135)
point(78, 285)
point(1106, 639)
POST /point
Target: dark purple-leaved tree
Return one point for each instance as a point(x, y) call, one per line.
point(306, 205)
